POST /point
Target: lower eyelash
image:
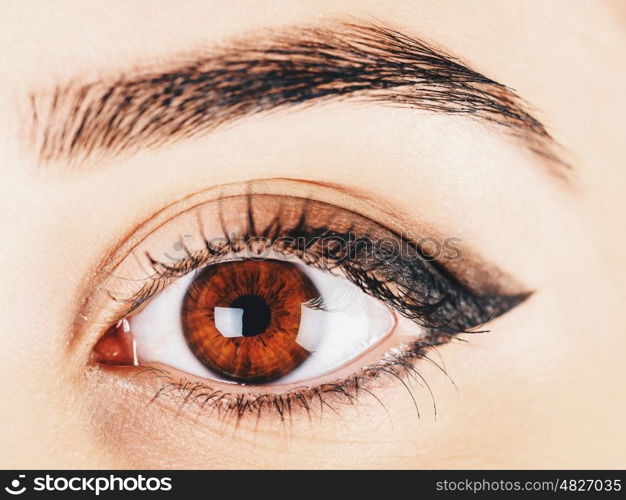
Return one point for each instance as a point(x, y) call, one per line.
point(397, 364)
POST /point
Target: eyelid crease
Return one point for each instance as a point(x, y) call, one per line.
point(339, 60)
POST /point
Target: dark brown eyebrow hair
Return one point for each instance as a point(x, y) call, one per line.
point(299, 66)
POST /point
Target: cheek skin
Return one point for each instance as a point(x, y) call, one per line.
point(166, 435)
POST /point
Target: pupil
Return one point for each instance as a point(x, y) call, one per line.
point(256, 314)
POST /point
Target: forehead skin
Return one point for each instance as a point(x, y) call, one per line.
point(553, 372)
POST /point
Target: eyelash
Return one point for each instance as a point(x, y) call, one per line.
point(417, 279)
point(417, 288)
point(396, 364)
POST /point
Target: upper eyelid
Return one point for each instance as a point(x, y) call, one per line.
point(411, 282)
point(369, 61)
point(474, 269)
point(346, 198)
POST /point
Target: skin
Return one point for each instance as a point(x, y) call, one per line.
point(543, 389)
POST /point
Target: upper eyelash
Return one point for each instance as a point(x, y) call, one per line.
point(416, 288)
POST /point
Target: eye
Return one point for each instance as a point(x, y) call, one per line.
point(269, 300)
point(253, 321)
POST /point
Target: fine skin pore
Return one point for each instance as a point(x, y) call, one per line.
point(498, 123)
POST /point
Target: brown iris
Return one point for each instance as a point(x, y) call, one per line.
point(266, 296)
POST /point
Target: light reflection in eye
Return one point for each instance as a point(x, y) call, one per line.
point(229, 321)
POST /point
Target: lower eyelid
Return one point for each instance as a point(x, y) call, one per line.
point(187, 394)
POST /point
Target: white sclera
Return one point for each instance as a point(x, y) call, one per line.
point(351, 323)
point(348, 324)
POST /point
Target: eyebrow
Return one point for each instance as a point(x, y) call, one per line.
point(301, 65)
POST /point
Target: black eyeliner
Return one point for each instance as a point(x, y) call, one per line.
point(399, 273)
